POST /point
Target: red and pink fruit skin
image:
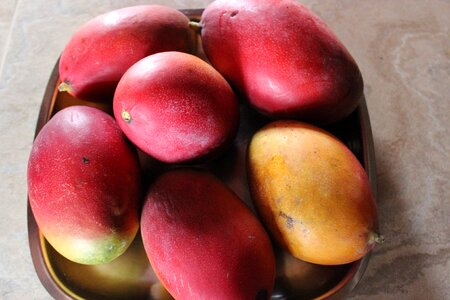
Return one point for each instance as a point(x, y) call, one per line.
point(282, 58)
point(176, 108)
point(101, 50)
point(84, 185)
point(203, 242)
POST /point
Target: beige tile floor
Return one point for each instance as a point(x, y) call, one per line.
point(7, 10)
point(403, 49)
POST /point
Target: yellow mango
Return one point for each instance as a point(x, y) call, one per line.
point(312, 193)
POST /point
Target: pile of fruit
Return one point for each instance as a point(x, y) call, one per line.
point(311, 194)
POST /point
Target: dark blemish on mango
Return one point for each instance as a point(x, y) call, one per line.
point(262, 295)
point(234, 13)
point(289, 220)
point(85, 160)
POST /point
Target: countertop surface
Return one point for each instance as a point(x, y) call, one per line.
point(403, 50)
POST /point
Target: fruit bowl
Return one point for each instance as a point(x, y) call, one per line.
point(131, 276)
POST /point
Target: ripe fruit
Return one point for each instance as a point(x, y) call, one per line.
point(83, 185)
point(283, 58)
point(312, 193)
point(101, 50)
point(176, 107)
point(203, 242)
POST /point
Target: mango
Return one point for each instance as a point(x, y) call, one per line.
point(176, 108)
point(84, 185)
point(312, 193)
point(282, 58)
point(203, 242)
point(101, 50)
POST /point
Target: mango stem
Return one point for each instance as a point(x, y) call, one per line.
point(126, 116)
point(65, 87)
point(195, 26)
point(377, 238)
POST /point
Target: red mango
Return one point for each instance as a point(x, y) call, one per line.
point(101, 50)
point(282, 58)
point(84, 185)
point(203, 242)
point(176, 107)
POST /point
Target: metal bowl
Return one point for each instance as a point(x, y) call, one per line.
point(131, 277)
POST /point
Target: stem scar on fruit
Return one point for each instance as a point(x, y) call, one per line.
point(65, 87)
point(126, 116)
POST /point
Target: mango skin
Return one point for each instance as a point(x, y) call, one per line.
point(84, 185)
point(101, 50)
point(203, 242)
point(282, 58)
point(176, 108)
point(312, 193)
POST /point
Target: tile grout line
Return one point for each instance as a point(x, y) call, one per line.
point(8, 39)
